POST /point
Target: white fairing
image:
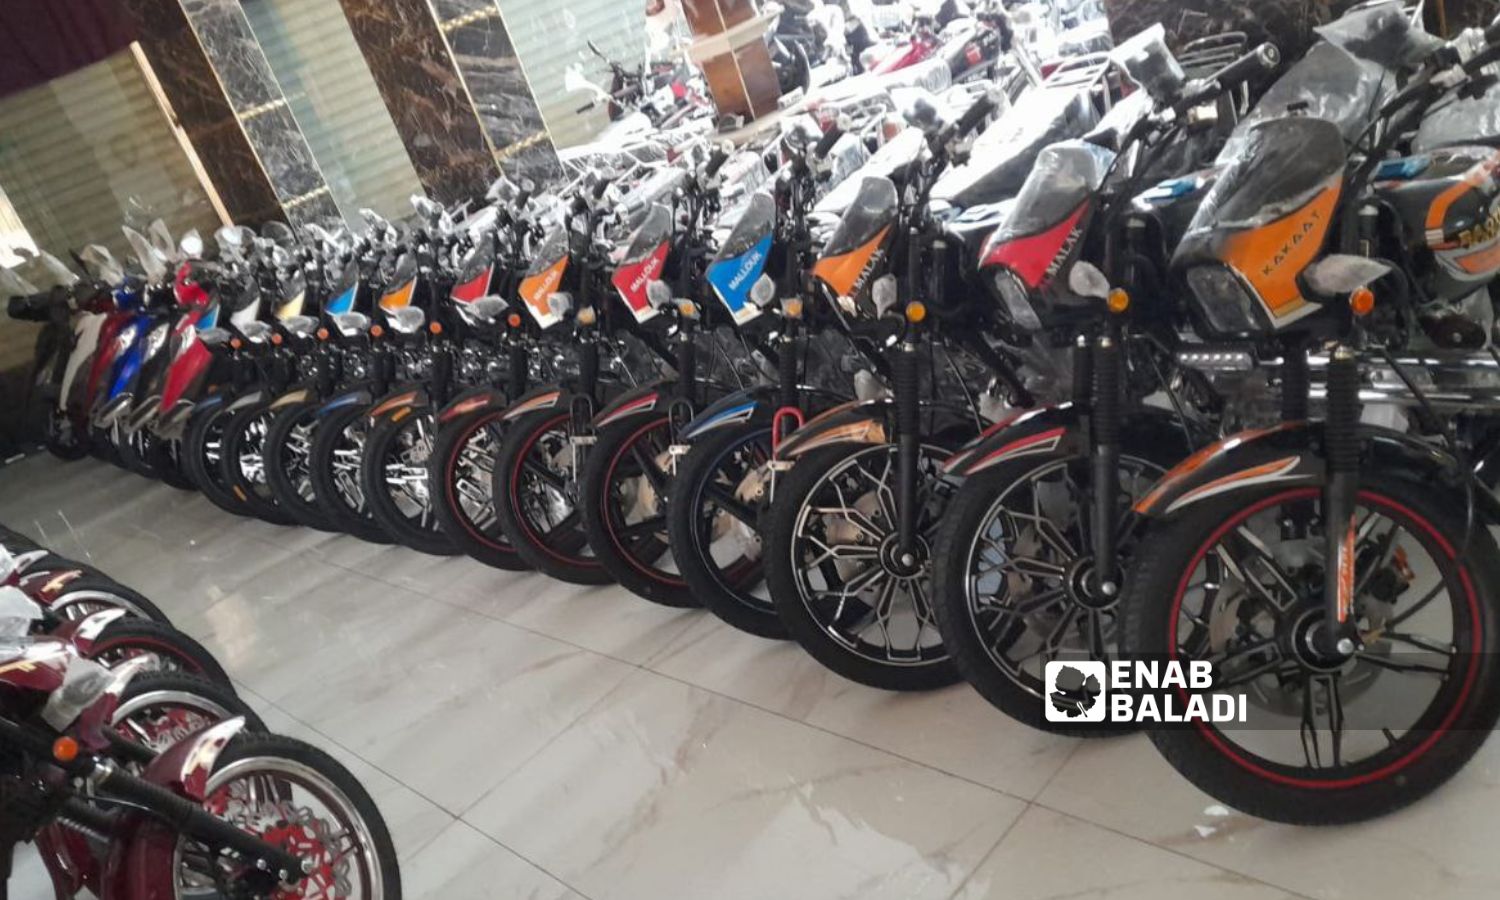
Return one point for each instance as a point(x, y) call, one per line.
point(86, 329)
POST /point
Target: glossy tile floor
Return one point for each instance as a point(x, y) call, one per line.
point(528, 739)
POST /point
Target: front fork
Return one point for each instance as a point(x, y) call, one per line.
point(1339, 496)
point(1104, 452)
point(907, 388)
point(581, 407)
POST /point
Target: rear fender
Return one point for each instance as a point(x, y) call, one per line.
point(406, 397)
point(1153, 433)
point(473, 401)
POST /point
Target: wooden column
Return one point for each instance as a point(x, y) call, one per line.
point(736, 64)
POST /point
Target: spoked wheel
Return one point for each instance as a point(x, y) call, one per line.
point(717, 499)
point(536, 497)
point(623, 491)
point(1331, 737)
point(67, 434)
point(243, 462)
point(89, 594)
point(202, 450)
point(169, 649)
point(298, 797)
point(841, 584)
point(1016, 584)
point(393, 478)
point(460, 482)
point(338, 447)
point(287, 454)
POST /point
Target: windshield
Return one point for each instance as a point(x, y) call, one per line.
point(102, 265)
point(873, 210)
point(1328, 83)
point(1461, 120)
point(474, 275)
point(553, 250)
point(899, 151)
point(1382, 33)
point(152, 264)
point(1066, 175)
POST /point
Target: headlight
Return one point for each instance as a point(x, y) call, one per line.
point(1017, 301)
point(185, 340)
point(155, 340)
point(1224, 299)
point(126, 338)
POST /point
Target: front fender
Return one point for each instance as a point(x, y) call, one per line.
point(538, 398)
point(474, 400)
point(752, 404)
point(84, 632)
point(362, 395)
point(1291, 454)
point(635, 402)
point(300, 394)
point(409, 396)
point(142, 863)
point(1153, 433)
point(855, 422)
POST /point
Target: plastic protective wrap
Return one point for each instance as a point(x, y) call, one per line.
point(1003, 154)
point(896, 153)
point(1281, 164)
point(1148, 62)
point(13, 285)
point(1065, 175)
point(1461, 121)
point(1382, 33)
point(17, 612)
point(84, 682)
point(1328, 83)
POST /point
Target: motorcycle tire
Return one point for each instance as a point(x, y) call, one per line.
point(528, 476)
point(268, 758)
point(972, 535)
point(628, 472)
point(202, 455)
point(338, 445)
point(460, 479)
point(66, 436)
point(165, 457)
point(242, 462)
point(287, 456)
point(130, 636)
point(91, 593)
point(1448, 731)
point(707, 497)
point(135, 452)
point(399, 447)
point(162, 708)
point(816, 482)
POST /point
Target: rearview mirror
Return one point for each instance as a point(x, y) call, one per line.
point(1085, 280)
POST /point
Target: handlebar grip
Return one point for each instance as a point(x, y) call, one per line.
point(826, 142)
point(1492, 32)
point(1482, 58)
point(716, 162)
point(1262, 59)
point(974, 115)
point(599, 188)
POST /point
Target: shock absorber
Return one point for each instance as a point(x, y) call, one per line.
point(1083, 374)
point(1295, 381)
point(520, 369)
point(1104, 430)
point(1341, 447)
point(787, 370)
point(588, 384)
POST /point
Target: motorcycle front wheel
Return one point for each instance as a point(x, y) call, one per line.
point(536, 498)
point(842, 587)
point(718, 498)
point(288, 461)
point(202, 454)
point(338, 446)
point(460, 482)
point(623, 494)
point(243, 462)
point(393, 478)
point(1238, 580)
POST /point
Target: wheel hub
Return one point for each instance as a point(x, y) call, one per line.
point(1305, 640)
point(903, 565)
point(1082, 582)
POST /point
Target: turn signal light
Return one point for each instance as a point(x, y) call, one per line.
point(64, 749)
point(1362, 301)
point(236, 343)
point(916, 311)
point(514, 320)
point(1118, 300)
point(377, 330)
point(322, 334)
point(435, 327)
point(276, 339)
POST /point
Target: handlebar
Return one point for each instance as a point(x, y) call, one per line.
point(1492, 32)
point(826, 142)
point(716, 161)
point(1262, 59)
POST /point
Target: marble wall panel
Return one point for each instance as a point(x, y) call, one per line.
point(425, 94)
point(486, 58)
point(203, 110)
